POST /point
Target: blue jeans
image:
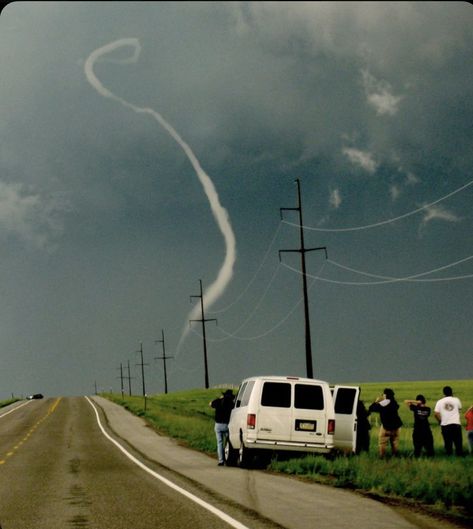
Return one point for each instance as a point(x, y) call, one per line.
point(470, 441)
point(221, 432)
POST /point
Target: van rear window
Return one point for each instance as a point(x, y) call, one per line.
point(309, 397)
point(345, 401)
point(276, 394)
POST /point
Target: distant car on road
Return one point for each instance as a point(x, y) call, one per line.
point(35, 396)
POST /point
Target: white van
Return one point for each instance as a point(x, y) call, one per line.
point(290, 414)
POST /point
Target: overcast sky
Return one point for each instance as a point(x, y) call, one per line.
point(148, 145)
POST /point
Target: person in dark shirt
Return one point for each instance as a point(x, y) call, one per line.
point(363, 428)
point(223, 408)
point(422, 434)
point(391, 423)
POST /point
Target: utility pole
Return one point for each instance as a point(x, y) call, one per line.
point(163, 358)
point(121, 380)
point(142, 364)
point(303, 250)
point(129, 379)
point(203, 320)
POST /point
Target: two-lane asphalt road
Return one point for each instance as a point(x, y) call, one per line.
point(88, 463)
point(58, 470)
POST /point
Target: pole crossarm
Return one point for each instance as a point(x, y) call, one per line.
point(287, 209)
point(304, 250)
point(204, 320)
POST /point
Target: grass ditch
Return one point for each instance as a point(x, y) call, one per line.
point(4, 403)
point(442, 485)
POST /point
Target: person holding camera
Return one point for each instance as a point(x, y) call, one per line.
point(223, 408)
point(391, 423)
point(422, 434)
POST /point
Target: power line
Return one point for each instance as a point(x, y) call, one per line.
point(255, 308)
point(270, 330)
point(413, 277)
point(243, 292)
point(386, 279)
point(388, 221)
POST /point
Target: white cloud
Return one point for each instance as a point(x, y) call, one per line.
point(27, 216)
point(379, 95)
point(335, 198)
point(439, 213)
point(361, 158)
point(395, 192)
point(412, 179)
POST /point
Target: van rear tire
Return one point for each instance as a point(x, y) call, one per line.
point(245, 456)
point(230, 454)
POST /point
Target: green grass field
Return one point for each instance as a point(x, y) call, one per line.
point(432, 391)
point(4, 403)
point(442, 484)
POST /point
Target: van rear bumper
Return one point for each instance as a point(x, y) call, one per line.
point(289, 445)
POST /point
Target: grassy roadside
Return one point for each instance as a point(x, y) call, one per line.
point(443, 485)
point(4, 403)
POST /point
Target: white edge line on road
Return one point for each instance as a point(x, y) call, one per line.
point(217, 512)
point(16, 408)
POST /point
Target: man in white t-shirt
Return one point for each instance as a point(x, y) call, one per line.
point(447, 412)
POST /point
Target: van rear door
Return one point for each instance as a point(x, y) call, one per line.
point(274, 414)
point(345, 399)
point(309, 415)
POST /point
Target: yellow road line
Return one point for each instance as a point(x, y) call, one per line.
point(51, 410)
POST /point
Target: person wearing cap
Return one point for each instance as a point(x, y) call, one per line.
point(391, 423)
point(223, 407)
point(422, 434)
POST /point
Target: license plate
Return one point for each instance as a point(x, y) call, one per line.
point(305, 426)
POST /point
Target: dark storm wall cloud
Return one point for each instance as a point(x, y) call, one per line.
point(264, 93)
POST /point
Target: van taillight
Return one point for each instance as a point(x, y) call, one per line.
point(331, 426)
point(251, 421)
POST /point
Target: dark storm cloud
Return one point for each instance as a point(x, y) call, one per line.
point(106, 230)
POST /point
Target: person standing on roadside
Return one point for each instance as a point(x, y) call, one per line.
point(422, 434)
point(469, 428)
point(363, 428)
point(391, 423)
point(447, 413)
point(223, 408)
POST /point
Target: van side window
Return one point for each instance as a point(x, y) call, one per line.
point(276, 394)
point(240, 395)
point(345, 401)
point(309, 397)
point(247, 393)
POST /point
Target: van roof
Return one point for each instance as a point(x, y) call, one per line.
point(280, 378)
